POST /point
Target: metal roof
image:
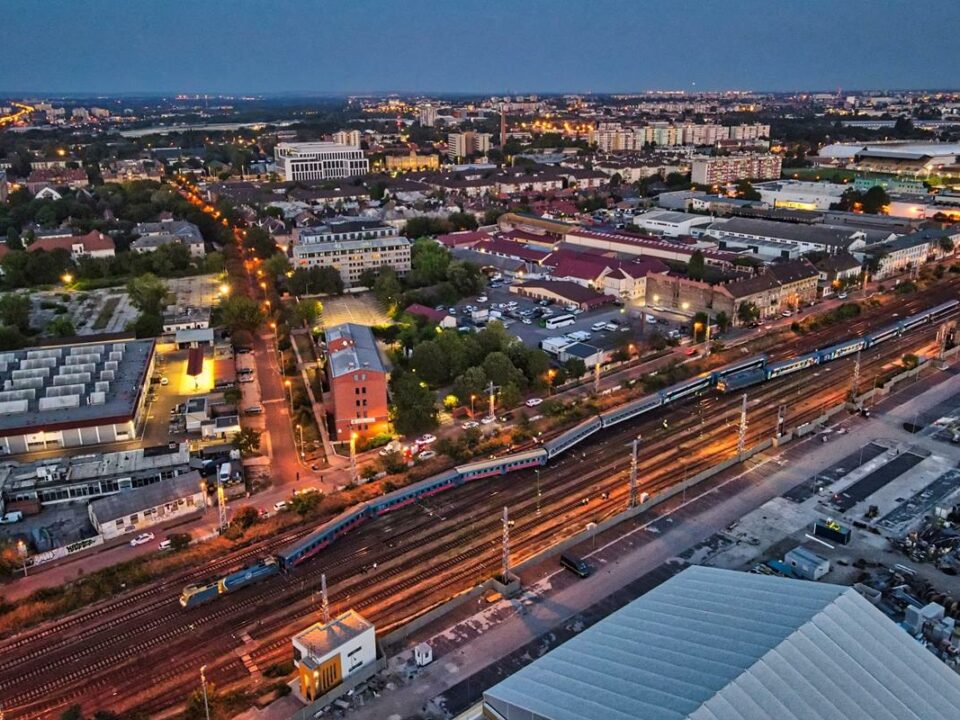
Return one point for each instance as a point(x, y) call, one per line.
point(114, 507)
point(713, 644)
point(352, 348)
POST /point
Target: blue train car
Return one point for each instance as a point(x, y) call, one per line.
point(742, 379)
point(500, 466)
point(840, 350)
point(751, 363)
point(571, 437)
point(403, 497)
point(328, 532)
point(194, 595)
point(249, 575)
point(686, 388)
point(886, 333)
point(943, 310)
point(631, 410)
point(791, 365)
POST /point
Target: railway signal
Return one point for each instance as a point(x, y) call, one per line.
point(506, 546)
point(633, 472)
point(742, 435)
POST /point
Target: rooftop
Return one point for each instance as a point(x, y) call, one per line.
point(75, 385)
point(713, 644)
point(352, 347)
point(131, 501)
point(321, 640)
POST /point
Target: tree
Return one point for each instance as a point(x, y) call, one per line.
point(414, 406)
point(15, 310)
point(245, 516)
point(462, 221)
point(259, 242)
point(472, 381)
point(233, 396)
point(148, 325)
point(747, 313)
point(696, 266)
point(465, 277)
point(510, 395)
point(148, 294)
point(575, 367)
point(13, 239)
point(74, 712)
point(722, 320)
point(387, 288)
point(61, 326)
point(429, 261)
point(746, 191)
point(276, 265)
point(308, 311)
point(238, 312)
point(430, 363)
point(875, 200)
point(247, 441)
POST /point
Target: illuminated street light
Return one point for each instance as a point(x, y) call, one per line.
point(290, 393)
point(67, 278)
point(224, 289)
point(353, 457)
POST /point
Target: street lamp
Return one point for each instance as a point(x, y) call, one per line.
point(290, 394)
point(300, 433)
point(353, 457)
point(472, 399)
point(22, 549)
point(67, 278)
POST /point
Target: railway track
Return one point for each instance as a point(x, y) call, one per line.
point(401, 567)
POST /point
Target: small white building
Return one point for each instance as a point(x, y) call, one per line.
point(138, 509)
point(328, 654)
point(800, 195)
point(671, 223)
point(806, 563)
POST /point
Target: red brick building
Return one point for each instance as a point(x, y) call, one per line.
point(358, 382)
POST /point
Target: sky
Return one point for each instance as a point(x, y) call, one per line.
point(474, 46)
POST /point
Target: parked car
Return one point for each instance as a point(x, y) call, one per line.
point(482, 299)
point(280, 505)
point(141, 539)
point(426, 439)
point(253, 410)
point(427, 455)
point(533, 402)
point(470, 424)
point(487, 419)
point(690, 351)
point(842, 296)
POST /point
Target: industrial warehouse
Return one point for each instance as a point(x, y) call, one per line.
point(72, 395)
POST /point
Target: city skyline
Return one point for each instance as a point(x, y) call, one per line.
point(304, 48)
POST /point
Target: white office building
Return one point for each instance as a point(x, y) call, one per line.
point(319, 161)
point(352, 246)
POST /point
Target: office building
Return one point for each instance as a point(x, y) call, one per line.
point(136, 510)
point(411, 161)
point(717, 170)
point(711, 644)
point(358, 382)
point(351, 246)
point(463, 145)
point(73, 395)
point(319, 161)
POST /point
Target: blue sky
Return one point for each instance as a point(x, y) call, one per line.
point(488, 46)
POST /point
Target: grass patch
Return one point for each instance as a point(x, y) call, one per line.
point(106, 312)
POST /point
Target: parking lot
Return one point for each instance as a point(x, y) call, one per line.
point(630, 316)
point(195, 290)
point(360, 309)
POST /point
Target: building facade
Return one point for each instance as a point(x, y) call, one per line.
point(352, 247)
point(465, 144)
point(716, 170)
point(358, 382)
point(347, 137)
point(319, 161)
point(327, 654)
point(129, 512)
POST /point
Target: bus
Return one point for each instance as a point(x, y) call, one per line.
point(558, 322)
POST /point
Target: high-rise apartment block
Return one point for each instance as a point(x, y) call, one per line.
point(465, 144)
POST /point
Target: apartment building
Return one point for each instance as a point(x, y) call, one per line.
point(428, 115)
point(716, 170)
point(351, 246)
point(465, 144)
point(347, 137)
point(319, 161)
point(357, 380)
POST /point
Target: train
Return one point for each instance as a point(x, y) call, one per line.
point(727, 378)
point(193, 595)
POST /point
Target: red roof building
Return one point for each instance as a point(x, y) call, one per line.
point(467, 238)
point(93, 244)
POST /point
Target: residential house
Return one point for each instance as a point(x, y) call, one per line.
point(94, 244)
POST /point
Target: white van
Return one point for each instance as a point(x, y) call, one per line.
point(651, 320)
point(224, 474)
point(11, 517)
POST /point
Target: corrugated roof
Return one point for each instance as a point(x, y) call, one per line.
point(713, 644)
point(124, 503)
point(351, 348)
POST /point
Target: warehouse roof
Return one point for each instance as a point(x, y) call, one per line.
point(713, 644)
point(124, 503)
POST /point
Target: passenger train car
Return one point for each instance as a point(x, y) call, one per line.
point(730, 377)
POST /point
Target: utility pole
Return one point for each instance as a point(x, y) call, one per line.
point(781, 419)
point(203, 684)
point(706, 342)
point(221, 505)
point(537, 471)
point(506, 546)
point(856, 378)
point(742, 436)
point(491, 391)
point(596, 378)
point(324, 600)
point(633, 472)
point(942, 341)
